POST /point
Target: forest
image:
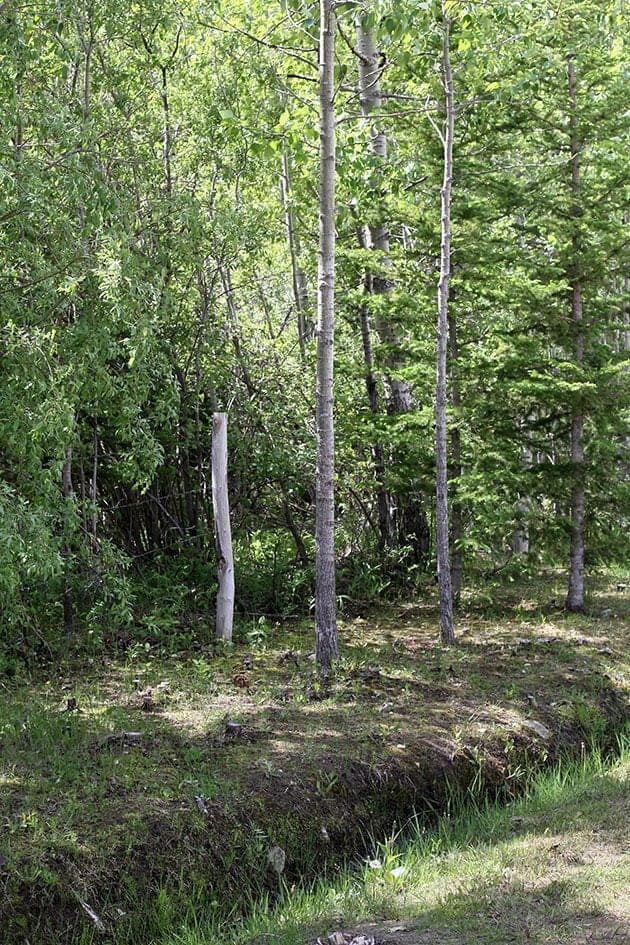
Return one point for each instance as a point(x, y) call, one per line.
point(314, 328)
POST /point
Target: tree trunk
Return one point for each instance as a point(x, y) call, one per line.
point(325, 591)
point(94, 486)
point(399, 392)
point(66, 486)
point(300, 291)
point(300, 547)
point(575, 595)
point(442, 536)
point(386, 525)
point(520, 538)
point(222, 527)
point(166, 131)
point(457, 512)
point(401, 518)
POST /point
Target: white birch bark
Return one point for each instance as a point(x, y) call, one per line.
point(442, 531)
point(222, 527)
point(326, 644)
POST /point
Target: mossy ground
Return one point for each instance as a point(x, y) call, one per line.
point(122, 788)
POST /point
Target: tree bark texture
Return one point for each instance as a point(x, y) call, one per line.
point(457, 511)
point(399, 392)
point(575, 594)
point(222, 527)
point(325, 589)
point(442, 527)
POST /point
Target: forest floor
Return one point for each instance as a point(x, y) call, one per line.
point(147, 787)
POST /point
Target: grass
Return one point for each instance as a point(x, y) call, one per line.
point(547, 868)
point(120, 786)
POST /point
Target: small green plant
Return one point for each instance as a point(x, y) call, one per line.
point(326, 782)
point(257, 636)
point(202, 668)
point(138, 651)
point(268, 767)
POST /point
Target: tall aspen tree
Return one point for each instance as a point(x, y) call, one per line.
point(442, 536)
point(575, 595)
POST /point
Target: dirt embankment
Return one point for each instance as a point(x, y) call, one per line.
point(159, 778)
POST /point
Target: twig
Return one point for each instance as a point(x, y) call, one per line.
point(98, 922)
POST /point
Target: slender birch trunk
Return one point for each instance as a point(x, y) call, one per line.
point(325, 591)
point(383, 499)
point(298, 276)
point(442, 536)
point(457, 511)
point(399, 391)
point(222, 527)
point(520, 538)
point(66, 553)
point(575, 594)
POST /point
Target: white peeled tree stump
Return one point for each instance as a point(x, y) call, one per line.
point(222, 527)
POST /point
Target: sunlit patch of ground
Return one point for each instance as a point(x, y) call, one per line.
point(562, 879)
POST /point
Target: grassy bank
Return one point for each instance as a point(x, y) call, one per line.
point(149, 785)
point(551, 867)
